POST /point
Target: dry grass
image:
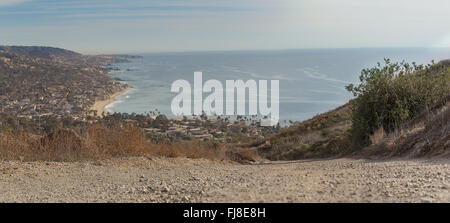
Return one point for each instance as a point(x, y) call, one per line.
point(100, 142)
point(94, 142)
point(378, 136)
point(324, 135)
point(192, 149)
point(425, 136)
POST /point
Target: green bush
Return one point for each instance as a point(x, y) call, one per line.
point(296, 153)
point(394, 93)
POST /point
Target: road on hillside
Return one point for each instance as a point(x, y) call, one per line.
point(151, 179)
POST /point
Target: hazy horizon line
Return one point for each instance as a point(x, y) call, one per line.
point(262, 50)
point(90, 52)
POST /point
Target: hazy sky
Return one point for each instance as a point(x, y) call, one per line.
point(111, 26)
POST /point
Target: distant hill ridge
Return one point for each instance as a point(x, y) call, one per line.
point(68, 56)
point(42, 52)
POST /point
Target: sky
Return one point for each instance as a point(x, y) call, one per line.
point(137, 26)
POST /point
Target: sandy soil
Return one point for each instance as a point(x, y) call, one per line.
point(150, 179)
point(99, 106)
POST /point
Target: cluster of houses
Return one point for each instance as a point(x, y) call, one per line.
point(206, 129)
point(58, 101)
point(40, 81)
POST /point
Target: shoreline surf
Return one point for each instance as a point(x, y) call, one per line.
point(99, 106)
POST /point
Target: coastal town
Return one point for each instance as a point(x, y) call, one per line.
point(59, 86)
point(42, 86)
point(159, 128)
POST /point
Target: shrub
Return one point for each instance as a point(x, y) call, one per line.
point(394, 93)
point(296, 153)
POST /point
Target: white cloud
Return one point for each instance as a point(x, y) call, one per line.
point(4, 3)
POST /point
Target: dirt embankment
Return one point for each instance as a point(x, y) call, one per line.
point(150, 179)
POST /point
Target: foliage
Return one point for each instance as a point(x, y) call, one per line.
point(324, 135)
point(393, 93)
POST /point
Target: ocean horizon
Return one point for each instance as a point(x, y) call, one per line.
point(312, 81)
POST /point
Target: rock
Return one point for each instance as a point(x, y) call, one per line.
point(186, 198)
point(165, 190)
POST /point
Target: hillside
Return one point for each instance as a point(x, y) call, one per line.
point(43, 80)
point(68, 56)
point(428, 135)
point(399, 110)
point(321, 136)
point(42, 52)
point(36, 80)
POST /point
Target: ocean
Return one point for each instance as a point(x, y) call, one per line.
point(311, 81)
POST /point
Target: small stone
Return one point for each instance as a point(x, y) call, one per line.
point(165, 189)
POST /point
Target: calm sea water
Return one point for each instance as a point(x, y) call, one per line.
point(311, 81)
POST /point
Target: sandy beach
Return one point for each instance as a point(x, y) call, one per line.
point(99, 106)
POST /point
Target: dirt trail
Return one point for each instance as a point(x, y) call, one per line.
point(147, 179)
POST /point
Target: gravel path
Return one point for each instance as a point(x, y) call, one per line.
point(147, 179)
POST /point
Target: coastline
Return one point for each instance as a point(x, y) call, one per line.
point(99, 106)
